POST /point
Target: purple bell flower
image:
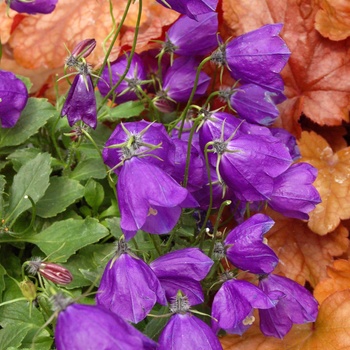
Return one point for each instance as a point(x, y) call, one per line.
point(140, 138)
point(288, 140)
point(191, 8)
point(233, 306)
point(179, 79)
point(127, 90)
point(255, 104)
point(188, 37)
point(244, 246)
point(185, 331)
point(183, 270)
point(129, 287)
point(294, 195)
point(295, 305)
point(33, 7)
point(256, 57)
point(82, 327)
point(80, 103)
point(13, 98)
point(149, 199)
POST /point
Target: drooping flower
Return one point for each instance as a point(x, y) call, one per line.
point(186, 331)
point(129, 287)
point(244, 246)
point(149, 199)
point(127, 90)
point(294, 195)
point(190, 8)
point(295, 305)
point(256, 57)
point(80, 103)
point(189, 37)
point(33, 7)
point(233, 306)
point(182, 270)
point(13, 98)
point(82, 327)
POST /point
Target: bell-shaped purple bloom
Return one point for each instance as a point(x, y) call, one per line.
point(13, 98)
point(288, 140)
point(149, 199)
point(233, 306)
point(294, 195)
point(179, 79)
point(127, 90)
point(92, 327)
point(245, 248)
point(191, 8)
point(189, 37)
point(80, 103)
point(295, 305)
point(33, 7)
point(255, 104)
point(256, 57)
point(137, 139)
point(129, 288)
point(183, 270)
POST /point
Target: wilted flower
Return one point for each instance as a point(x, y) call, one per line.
point(256, 57)
point(244, 246)
point(294, 195)
point(81, 327)
point(233, 306)
point(51, 271)
point(190, 8)
point(186, 331)
point(183, 270)
point(32, 6)
point(129, 287)
point(80, 103)
point(189, 37)
point(295, 305)
point(13, 98)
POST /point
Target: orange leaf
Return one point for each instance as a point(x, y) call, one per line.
point(316, 76)
point(339, 279)
point(38, 41)
point(6, 22)
point(304, 255)
point(333, 182)
point(333, 20)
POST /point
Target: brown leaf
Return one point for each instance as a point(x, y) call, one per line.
point(333, 19)
point(333, 182)
point(304, 255)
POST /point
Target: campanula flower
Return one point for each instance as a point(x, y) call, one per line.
point(288, 140)
point(33, 7)
point(13, 98)
point(129, 287)
point(82, 327)
point(295, 305)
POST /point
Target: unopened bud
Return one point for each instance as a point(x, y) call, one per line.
point(28, 289)
point(82, 50)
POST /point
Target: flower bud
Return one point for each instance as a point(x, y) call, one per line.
point(28, 289)
point(84, 48)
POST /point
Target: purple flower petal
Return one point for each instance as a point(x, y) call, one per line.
point(33, 7)
point(129, 288)
point(288, 140)
point(13, 98)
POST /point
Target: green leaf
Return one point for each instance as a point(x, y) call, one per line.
point(89, 168)
point(61, 193)
point(22, 156)
point(63, 238)
point(2, 187)
point(94, 194)
point(34, 116)
point(31, 180)
point(156, 324)
point(125, 110)
point(12, 336)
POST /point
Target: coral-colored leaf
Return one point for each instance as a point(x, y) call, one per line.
point(333, 20)
point(333, 182)
point(339, 279)
point(316, 76)
point(6, 22)
point(304, 255)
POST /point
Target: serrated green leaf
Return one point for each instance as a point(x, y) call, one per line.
point(89, 168)
point(61, 193)
point(94, 194)
point(125, 110)
point(12, 336)
point(34, 116)
point(31, 180)
point(63, 238)
point(22, 156)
